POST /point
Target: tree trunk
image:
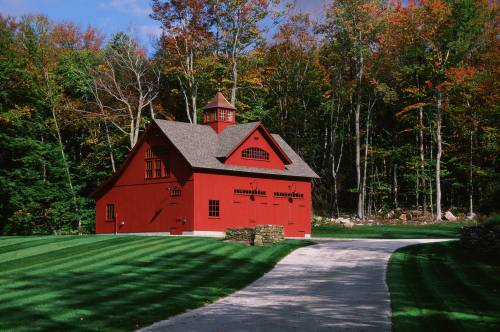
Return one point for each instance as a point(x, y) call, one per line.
point(422, 155)
point(357, 113)
point(110, 147)
point(195, 111)
point(471, 188)
point(395, 184)
point(235, 82)
point(365, 163)
point(438, 155)
point(66, 168)
point(61, 148)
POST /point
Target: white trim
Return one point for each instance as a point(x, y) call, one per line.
point(205, 233)
point(307, 236)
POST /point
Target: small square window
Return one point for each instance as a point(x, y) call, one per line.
point(213, 208)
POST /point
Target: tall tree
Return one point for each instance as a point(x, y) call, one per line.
point(124, 85)
point(237, 24)
point(186, 39)
point(355, 27)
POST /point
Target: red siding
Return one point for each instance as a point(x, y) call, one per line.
point(146, 205)
point(258, 140)
point(247, 211)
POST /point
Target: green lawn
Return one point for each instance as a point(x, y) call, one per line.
point(443, 287)
point(108, 283)
point(443, 230)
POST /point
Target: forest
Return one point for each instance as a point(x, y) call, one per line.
point(394, 104)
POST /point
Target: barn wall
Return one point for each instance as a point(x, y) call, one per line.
point(146, 205)
point(247, 211)
point(257, 139)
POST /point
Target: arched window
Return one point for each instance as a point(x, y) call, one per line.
point(255, 153)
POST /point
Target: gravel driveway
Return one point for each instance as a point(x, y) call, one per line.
point(331, 286)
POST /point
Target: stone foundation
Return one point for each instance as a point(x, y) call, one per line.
point(258, 236)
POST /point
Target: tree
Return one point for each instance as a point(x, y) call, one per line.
point(186, 39)
point(237, 30)
point(123, 85)
point(355, 27)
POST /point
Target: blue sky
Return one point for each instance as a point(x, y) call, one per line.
point(111, 16)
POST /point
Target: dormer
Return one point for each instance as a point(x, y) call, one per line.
point(218, 113)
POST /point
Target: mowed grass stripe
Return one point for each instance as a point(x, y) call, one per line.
point(122, 286)
point(9, 240)
point(81, 282)
point(48, 298)
point(50, 248)
point(79, 279)
point(18, 279)
point(32, 244)
point(51, 258)
point(443, 287)
point(65, 259)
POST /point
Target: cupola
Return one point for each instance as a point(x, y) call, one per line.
point(218, 113)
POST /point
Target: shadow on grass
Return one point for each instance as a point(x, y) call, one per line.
point(129, 283)
point(450, 230)
point(443, 287)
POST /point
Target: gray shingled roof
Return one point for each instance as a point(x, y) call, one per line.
point(201, 146)
point(231, 136)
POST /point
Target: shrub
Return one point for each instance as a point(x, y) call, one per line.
point(483, 237)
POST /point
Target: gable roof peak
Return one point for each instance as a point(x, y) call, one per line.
point(219, 101)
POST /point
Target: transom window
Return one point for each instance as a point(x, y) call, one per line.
point(288, 195)
point(213, 208)
point(249, 192)
point(255, 153)
point(110, 212)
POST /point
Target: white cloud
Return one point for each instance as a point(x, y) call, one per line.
point(135, 7)
point(13, 7)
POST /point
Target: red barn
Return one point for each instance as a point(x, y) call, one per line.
point(183, 178)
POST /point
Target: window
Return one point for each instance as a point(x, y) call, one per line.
point(175, 192)
point(213, 208)
point(110, 212)
point(255, 153)
point(230, 116)
point(149, 169)
point(156, 164)
point(249, 192)
point(166, 168)
point(157, 168)
point(288, 195)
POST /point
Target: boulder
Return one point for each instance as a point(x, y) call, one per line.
point(402, 216)
point(449, 216)
point(344, 220)
point(389, 215)
point(348, 225)
point(471, 216)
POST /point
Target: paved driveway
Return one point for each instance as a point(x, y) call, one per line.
point(335, 285)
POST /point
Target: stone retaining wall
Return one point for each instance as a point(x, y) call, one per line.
point(260, 235)
point(243, 235)
point(268, 234)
